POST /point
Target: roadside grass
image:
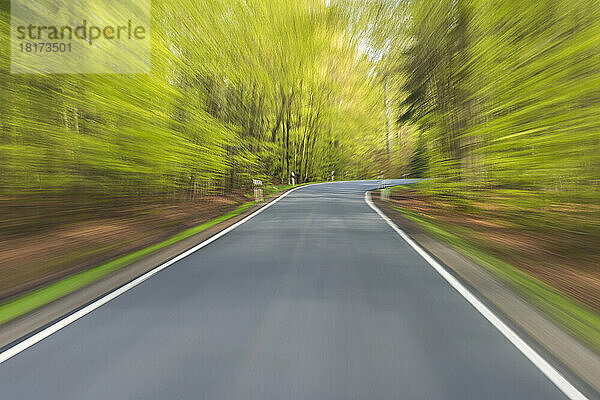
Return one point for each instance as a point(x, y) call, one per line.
point(569, 313)
point(30, 301)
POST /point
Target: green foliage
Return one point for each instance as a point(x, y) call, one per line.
point(475, 94)
point(238, 90)
point(505, 94)
point(469, 92)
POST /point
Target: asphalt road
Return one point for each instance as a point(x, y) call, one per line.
point(315, 298)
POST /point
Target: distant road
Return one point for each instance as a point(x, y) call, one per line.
point(314, 298)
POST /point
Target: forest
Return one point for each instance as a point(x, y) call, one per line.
point(495, 103)
point(246, 90)
point(475, 94)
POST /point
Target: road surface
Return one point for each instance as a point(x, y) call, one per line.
point(314, 298)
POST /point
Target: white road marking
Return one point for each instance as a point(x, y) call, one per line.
point(544, 366)
point(19, 347)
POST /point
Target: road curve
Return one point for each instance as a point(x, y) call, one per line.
point(314, 298)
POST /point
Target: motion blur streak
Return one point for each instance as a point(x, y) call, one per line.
point(495, 103)
point(315, 298)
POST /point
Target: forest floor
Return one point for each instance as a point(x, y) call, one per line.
point(32, 261)
point(565, 260)
point(558, 259)
point(63, 243)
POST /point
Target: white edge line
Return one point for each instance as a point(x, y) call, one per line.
point(23, 345)
point(544, 366)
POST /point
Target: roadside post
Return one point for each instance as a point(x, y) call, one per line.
point(385, 192)
point(293, 178)
point(332, 176)
point(258, 189)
